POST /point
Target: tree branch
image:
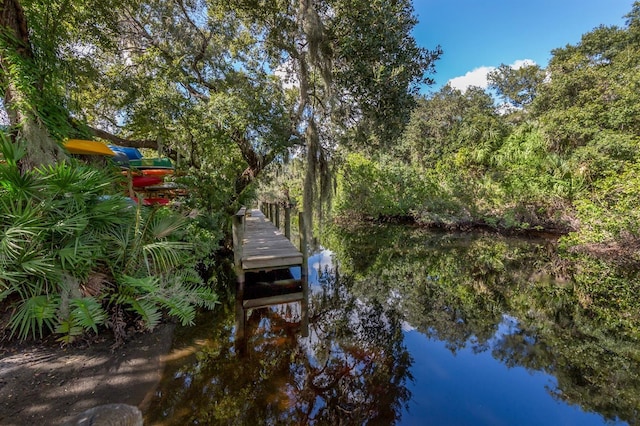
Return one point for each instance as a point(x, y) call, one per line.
point(130, 143)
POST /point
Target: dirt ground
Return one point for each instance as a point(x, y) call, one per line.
point(43, 384)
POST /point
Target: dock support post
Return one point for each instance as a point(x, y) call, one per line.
point(304, 272)
point(287, 221)
point(277, 218)
point(238, 236)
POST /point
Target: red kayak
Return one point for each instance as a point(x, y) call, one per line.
point(155, 201)
point(142, 181)
point(157, 172)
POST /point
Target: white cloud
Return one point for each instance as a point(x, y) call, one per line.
point(522, 63)
point(478, 77)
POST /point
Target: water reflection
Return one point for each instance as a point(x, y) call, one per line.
point(576, 321)
point(416, 327)
point(352, 368)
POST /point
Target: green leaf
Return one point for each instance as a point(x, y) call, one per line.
point(34, 315)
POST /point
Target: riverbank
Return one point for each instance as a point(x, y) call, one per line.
point(41, 383)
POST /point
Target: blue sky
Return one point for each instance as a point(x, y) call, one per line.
point(477, 35)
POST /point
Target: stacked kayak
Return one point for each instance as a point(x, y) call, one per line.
point(145, 176)
point(145, 181)
point(84, 147)
point(130, 153)
point(151, 163)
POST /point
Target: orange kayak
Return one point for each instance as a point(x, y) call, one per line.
point(157, 172)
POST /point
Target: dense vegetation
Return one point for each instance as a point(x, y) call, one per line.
point(557, 152)
point(74, 257)
point(223, 88)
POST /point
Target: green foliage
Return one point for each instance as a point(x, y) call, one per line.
point(84, 314)
point(33, 315)
point(612, 212)
point(517, 86)
point(378, 68)
point(590, 89)
point(570, 166)
point(61, 228)
point(371, 189)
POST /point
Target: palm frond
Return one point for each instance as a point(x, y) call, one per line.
point(179, 308)
point(11, 152)
point(78, 180)
point(37, 263)
point(70, 224)
point(83, 314)
point(207, 297)
point(164, 255)
point(21, 186)
point(109, 212)
point(34, 315)
point(15, 240)
point(162, 227)
point(79, 255)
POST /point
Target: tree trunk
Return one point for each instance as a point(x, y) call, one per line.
point(17, 78)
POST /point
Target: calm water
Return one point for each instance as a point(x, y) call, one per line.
point(412, 328)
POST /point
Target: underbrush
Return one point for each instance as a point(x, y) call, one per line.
point(77, 258)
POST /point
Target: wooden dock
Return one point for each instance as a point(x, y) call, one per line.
point(261, 247)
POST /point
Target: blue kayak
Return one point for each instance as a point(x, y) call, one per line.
point(131, 153)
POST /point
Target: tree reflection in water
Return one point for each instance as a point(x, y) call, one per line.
point(576, 319)
point(352, 369)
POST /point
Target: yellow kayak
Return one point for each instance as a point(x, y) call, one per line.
point(79, 146)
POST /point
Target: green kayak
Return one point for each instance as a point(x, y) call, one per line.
point(151, 163)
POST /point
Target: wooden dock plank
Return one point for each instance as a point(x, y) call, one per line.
point(272, 300)
point(265, 247)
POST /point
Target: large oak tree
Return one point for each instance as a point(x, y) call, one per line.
point(227, 87)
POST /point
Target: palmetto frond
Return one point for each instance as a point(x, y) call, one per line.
point(164, 256)
point(59, 226)
point(136, 293)
point(19, 186)
point(78, 180)
point(160, 227)
point(33, 315)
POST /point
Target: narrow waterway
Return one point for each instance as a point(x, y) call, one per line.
point(409, 327)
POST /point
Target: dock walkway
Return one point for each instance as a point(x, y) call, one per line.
point(260, 247)
point(265, 247)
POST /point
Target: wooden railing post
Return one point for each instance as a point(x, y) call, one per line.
point(277, 216)
point(287, 221)
point(304, 272)
point(238, 236)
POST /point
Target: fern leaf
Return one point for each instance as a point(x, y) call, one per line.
point(87, 313)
